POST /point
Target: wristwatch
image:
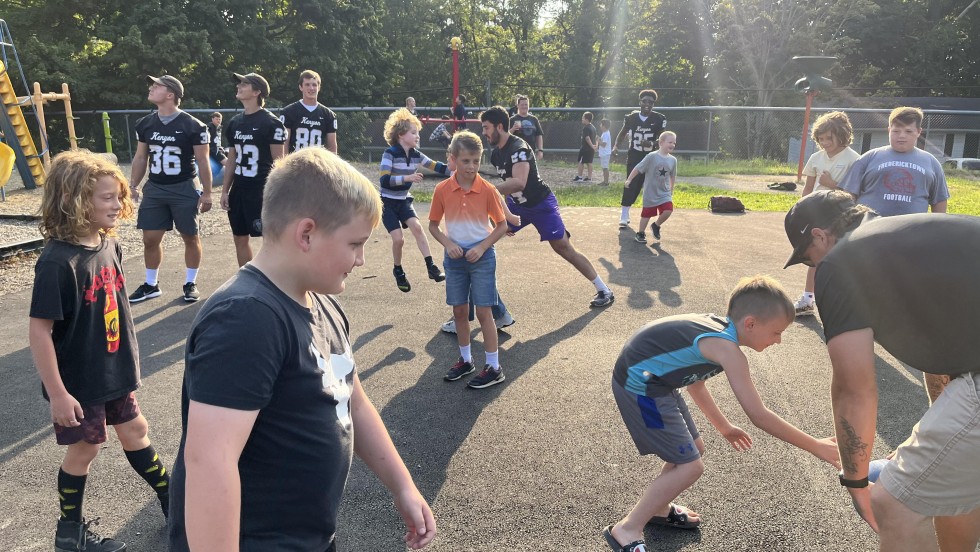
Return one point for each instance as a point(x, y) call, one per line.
point(539, 149)
point(852, 483)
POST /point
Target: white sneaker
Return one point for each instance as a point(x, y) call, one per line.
point(805, 307)
point(624, 223)
point(449, 326)
point(504, 321)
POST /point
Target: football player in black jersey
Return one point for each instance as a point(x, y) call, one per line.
point(642, 130)
point(255, 139)
point(531, 199)
point(309, 122)
point(169, 143)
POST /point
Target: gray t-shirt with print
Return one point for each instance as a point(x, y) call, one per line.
point(657, 171)
point(894, 183)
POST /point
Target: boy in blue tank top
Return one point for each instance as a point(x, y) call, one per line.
point(684, 351)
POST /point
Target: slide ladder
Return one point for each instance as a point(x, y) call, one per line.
point(16, 132)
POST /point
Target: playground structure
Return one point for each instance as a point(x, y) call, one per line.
point(18, 146)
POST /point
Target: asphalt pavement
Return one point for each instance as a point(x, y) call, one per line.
point(541, 462)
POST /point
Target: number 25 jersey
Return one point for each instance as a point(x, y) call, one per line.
point(250, 138)
point(171, 146)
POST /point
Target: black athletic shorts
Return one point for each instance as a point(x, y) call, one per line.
point(586, 155)
point(245, 211)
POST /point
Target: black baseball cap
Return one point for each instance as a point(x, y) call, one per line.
point(170, 82)
point(256, 80)
point(817, 210)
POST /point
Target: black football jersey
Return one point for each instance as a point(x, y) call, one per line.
point(307, 128)
point(171, 146)
point(517, 151)
point(249, 138)
point(648, 131)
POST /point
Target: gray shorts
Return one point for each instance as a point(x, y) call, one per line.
point(164, 206)
point(659, 425)
point(936, 472)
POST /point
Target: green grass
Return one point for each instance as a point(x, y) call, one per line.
point(964, 189)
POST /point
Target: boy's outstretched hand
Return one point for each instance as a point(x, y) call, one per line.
point(738, 438)
point(419, 521)
point(827, 451)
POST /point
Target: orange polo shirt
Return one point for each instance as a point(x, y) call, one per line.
point(468, 213)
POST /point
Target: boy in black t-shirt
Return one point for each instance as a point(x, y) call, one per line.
point(309, 122)
point(527, 126)
point(269, 408)
point(255, 139)
point(82, 336)
point(587, 152)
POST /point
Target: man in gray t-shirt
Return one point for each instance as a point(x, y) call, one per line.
point(899, 179)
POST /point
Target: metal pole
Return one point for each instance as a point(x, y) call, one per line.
point(129, 139)
point(106, 132)
point(707, 147)
point(455, 44)
point(806, 124)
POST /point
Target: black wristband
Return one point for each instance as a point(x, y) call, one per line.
point(852, 483)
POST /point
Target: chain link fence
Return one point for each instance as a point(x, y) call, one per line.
point(706, 132)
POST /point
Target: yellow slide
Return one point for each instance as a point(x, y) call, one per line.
point(19, 122)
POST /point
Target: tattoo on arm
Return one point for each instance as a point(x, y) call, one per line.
point(851, 447)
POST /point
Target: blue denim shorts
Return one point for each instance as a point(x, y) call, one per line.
point(477, 280)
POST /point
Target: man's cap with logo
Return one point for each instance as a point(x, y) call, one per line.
point(170, 82)
point(256, 80)
point(817, 210)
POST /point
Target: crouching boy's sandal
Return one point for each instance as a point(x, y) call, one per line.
point(677, 517)
point(635, 546)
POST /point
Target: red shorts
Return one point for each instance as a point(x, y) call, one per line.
point(97, 417)
point(650, 212)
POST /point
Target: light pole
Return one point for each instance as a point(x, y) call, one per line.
point(814, 82)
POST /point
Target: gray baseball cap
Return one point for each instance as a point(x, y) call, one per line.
point(170, 82)
point(256, 80)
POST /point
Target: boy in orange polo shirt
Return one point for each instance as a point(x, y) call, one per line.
point(469, 203)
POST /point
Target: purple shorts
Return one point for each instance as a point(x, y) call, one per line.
point(544, 216)
point(97, 417)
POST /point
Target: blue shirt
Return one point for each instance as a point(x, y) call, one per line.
point(664, 355)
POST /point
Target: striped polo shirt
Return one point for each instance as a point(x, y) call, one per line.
point(396, 164)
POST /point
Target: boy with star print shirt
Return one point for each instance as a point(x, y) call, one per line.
point(659, 170)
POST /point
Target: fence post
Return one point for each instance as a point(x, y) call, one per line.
point(928, 124)
point(129, 139)
point(106, 132)
point(707, 147)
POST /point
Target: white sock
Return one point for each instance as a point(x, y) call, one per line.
point(599, 284)
point(808, 295)
point(464, 351)
point(191, 275)
point(493, 360)
point(626, 213)
point(151, 276)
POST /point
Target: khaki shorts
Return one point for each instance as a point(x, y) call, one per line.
point(936, 472)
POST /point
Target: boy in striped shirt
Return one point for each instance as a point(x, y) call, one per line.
point(399, 170)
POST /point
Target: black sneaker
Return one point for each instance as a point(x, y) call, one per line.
point(459, 370)
point(656, 230)
point(73, 536)
point(191, 295)
point(144, 292)
point(435, 273)
point(602, 299)
point(402, 280)
point(641, 237)
point(487, 377)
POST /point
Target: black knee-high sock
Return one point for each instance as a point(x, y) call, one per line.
point(71, 491)
point(147, 463)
